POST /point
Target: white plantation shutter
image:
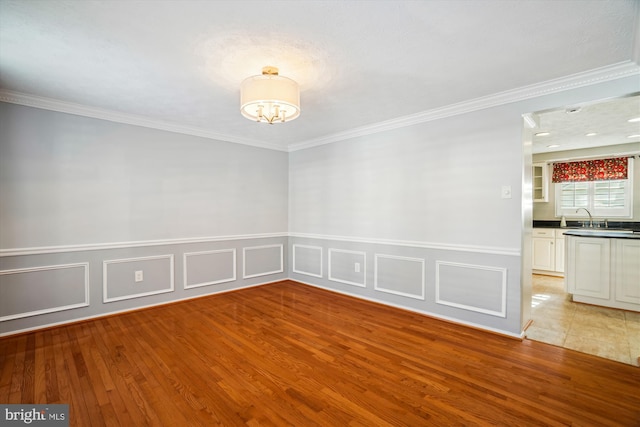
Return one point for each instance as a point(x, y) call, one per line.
point(609, 194)
point(574, 195)
point(604, 199)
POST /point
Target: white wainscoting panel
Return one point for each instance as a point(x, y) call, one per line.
point(119, 283)
point(477, 288)
point(26, 292)
point(262, 260)
point(399, 275)
point(349, 267)
point(307, 260)
point(209, 268)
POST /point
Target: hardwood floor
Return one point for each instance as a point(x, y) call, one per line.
point(290, 354)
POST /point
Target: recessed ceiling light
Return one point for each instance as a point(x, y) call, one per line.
point(634, 120)
point(633, 136)
point(553, 146)
point(543, 133)
point(591, 134)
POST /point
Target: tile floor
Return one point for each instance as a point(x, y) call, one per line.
point(605, 332)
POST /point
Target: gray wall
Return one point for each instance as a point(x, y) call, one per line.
point(410, 217)
point(434, 182)
point(85, 203)
point(546, 210)
point(427, 196)
point(67, 179)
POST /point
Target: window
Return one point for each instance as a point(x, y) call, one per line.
point(605, 199)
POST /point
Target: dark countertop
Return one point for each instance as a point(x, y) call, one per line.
point(601, 233)
point(573, 225)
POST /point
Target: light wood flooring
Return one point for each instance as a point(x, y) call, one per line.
point(602, 331)
point(290, 354)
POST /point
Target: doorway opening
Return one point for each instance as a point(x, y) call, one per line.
point(589, 131)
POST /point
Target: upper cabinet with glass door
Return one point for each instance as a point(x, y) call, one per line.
point(540, 182)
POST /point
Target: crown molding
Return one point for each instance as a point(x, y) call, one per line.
point(573, 81)
point(130, 119)
point(598, 75)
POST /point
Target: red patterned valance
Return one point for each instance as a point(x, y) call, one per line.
point(590, 170)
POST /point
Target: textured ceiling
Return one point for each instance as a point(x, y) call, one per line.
point(358, 62)
point(574, 127)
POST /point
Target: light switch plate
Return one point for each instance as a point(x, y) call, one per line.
point(506, 191)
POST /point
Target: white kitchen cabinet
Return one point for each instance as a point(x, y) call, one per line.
point(548, 251)
point(604, 271)
point(540, 182)
point(544, 254)
point(626, 274)
point(588, 267)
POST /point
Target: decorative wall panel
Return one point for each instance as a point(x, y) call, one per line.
point(399, 275)
point(119, 277)
point(349, 267)
point(262, 260)
point(32, 291)
point(209, 268)
point(307, 260)
point(472, 287)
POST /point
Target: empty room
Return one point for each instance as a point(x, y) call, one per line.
point(319, 213)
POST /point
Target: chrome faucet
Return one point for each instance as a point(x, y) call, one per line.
point(590, 217)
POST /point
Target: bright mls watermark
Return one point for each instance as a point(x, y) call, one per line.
point(36, 415)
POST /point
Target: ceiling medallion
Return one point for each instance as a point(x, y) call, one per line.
point(269, 98)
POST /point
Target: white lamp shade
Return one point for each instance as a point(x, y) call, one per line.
point(265, 96)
